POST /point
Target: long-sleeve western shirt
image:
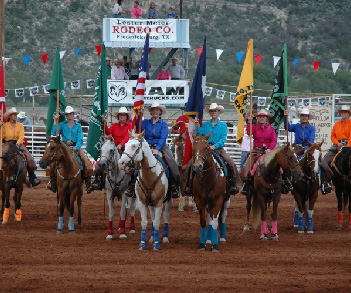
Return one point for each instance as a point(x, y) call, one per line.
point(218, 135)
point(263, 136)
point(74, 134)
point(155, 133)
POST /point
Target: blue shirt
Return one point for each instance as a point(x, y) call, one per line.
point(26, 122)
point(74, 134)
point(218, 135)
point(155, 133)
point(302, 134)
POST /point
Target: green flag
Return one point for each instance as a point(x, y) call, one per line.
point(280, 91)
point(96, 127)
point(56, 83)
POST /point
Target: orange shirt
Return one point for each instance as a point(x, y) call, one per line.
point(15, 133)
point(341, 131)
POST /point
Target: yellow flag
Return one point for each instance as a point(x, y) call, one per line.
point(245, 87)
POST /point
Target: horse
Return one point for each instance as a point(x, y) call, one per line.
point(69, 180)
point(341, 167)
point(305, 190)
point(152, 188)
point(267, 185)
point(14, 175)
point(210, 192)
point(116, 184)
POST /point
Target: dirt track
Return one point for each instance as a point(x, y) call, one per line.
point(34, 258)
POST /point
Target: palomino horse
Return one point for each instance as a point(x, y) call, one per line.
point(14, 175)
point(209, 190)
point(116, 184)
point(268, 185)
point(341, 167)
point(69, 179)
point(151, 189)
point(305, 190)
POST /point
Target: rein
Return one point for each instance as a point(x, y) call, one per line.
point(19, 170)
point(345, 177)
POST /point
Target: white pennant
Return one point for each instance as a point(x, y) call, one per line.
point(276, 60)
point(232, 97)
point(335, 67)
point(219, 53)
point(6, 60)
point(220, 94)
point(208, 91)
point(62, 53)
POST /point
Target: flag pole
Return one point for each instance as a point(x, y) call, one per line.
point(286, 120)
point(57, 112)
point(250, 130)
point(140, 114)
point(2, 120)
point(192, 161)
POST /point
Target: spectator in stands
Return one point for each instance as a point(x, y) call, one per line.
point(108, 64)
point(118, 72)
point(136, 66)
point(170, 13)
point(254, 112)
point(127, 66)
point(152, 13)
point(163, 74)
point(136, 10)
point(176, 71)
point(22, 118)
point(118, 10)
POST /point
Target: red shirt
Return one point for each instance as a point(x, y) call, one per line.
point(120, 134)
point(262, 136)
point(181, 127)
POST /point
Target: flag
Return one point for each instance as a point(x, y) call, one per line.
point(280, 91)
point(2, 89)
point(56, 84)
point(96, 127)
point(245, 87)
point(195, 105)
point(140, 87)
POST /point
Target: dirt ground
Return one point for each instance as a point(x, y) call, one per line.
point(34, 258)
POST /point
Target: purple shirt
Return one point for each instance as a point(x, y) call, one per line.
point(261, 136)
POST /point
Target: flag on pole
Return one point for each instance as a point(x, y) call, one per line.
point(245, 88)
point(96, 126)
point(56, 83)
point(2, 89)
point(195, 105)
point(140, 87)
point(280, 91)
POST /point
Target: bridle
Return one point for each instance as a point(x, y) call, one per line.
point(58, 148)
point(17, 170)
point(208, 152)
point(131, 163)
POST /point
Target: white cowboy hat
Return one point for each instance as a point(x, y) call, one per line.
point(21, 115)
point(10, 112)
point(174, 58)
point(214, 106)
point(123, 110)
point(263, 112)
point(107, 58)
point(343, 108)
point(305, 111)
point(69, 110)
point(158, 106)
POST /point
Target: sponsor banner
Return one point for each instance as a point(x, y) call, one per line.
point(165, 92)
point(322, 121)
point(135, 30)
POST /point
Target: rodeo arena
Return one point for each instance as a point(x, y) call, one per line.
point(208, 197)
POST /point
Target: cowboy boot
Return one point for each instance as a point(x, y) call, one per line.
point(33, 178)
point(52, 184)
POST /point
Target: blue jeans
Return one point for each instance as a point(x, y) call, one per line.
point(119, 16)
point(243, 159)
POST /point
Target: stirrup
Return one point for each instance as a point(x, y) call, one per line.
point(130, 191)
point(244, 189)
point(188, 191)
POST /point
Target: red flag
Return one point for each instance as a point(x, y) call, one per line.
point(258, 59)
point(149, 51)
point(315, 66)
point(2, 89)
point(199, 50)
point(98, 49)
point(44, 57)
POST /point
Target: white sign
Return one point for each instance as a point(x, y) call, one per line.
point(166, 92)
point(322, 121)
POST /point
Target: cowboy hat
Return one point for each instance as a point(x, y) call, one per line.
point(10, 112)
point(174, 58)
point(158, 106)
point(214, 106)
point(107, 58)
point(343, 108)
point(21, 115)
point(305, 111)
point(123, 110)
point(69, 110)
point(263, 112)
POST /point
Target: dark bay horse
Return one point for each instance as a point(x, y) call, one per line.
point(209, 189)
point(14, 175)
point(268, 185)
point(69, 179)
point(305, 190)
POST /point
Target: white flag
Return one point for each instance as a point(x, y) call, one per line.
point(220, 94)
point(46, 88)
point(62, 53)
point(33, 91)
point(19, 93)
point(276, 60)
point(90, 83)
point(261, 101)
point(75, 85)
point(232, 97)
point(219, 53)
point(7, 93)
point(306, 103)
point(335, 67)
point(208, 91)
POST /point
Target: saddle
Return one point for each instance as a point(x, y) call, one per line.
point(221, 162)
point(163, 164)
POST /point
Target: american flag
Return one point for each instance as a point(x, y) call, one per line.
point(140, 88)
point(2, 90)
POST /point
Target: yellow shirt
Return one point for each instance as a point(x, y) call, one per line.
point(13, 133)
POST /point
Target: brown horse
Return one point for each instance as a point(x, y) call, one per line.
point(69, 179)
point(305, 190)
point(14, 175)
point(268, 184)
point(209, 189)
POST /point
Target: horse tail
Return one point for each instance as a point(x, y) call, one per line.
point(256, 210)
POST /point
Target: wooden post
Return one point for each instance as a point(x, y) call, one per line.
point(2, 120)
point(140, 118)
point(192, 161)
point(57, 111)
point(286, 120)
point(2, 28)
point(181, 9)
point(250, 130)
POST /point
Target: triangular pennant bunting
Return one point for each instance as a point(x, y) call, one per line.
point(315, 66)
point(90, 83)
point(335, 67)
point(44, 57)
point(78, 51)
point(275, 60)
point(239, 55)
point(208, 91)
point(75, 85)
point(199, 51)
point(26, 59)
point(296, 61)
point(258, 59)
point(219, 53)
point(62, 53)
point(98, 49)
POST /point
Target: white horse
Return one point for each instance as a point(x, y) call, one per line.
point(116, 185)
point(151, 187)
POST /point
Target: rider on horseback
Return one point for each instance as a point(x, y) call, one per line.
point(13, 132)
point(72, 134)
point(265, 140)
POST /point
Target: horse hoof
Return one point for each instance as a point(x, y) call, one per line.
point(19, 223)
point(59, 232)
point(156, 246)
point(71, 232)
point(165, 240)
point(142, 246)
point(80, 225)
point(122, 236)
point(109, 238)
point(132, 232)
point(215, 248)
point(202, 246)
point(4, 223)
point(301, 232)
point(181, 209)
point(337, 228)
point(195, 209)
point(208, 242)
point(275, 237)
point(223, 240)
point(309, 232)
point(263, 236)
point(246, 229)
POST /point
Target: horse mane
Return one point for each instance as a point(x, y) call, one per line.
point(271, 155)
point(67, 153)
point(11, 150)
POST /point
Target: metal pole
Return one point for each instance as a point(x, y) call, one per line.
point(2, 29)
point(181, 9)
point(286, 120)
point(250, 130)
point(57, 111)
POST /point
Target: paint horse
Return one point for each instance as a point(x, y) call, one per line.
point(151, 188)
point(341, 167)
point(210, 191)
point(116, 184)
point(268, 184)
point(14, 175)
point(69, 180)
point(305, 190)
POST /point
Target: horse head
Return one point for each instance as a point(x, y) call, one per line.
point(313, 156)
point(10, 160)
point(287, 160)
point(51, 152)
point(201, 151)
point(133, 151)
point(179, 144)
point(108, 153)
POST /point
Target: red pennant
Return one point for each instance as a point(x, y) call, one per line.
point(199, 50)
point(150, 50)
point(258, 59)
point(44, 57)
point(98, 49)
point(315, 66)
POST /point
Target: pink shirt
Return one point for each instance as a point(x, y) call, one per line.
point(261, 136)
point(163, 76)
point(136, 12)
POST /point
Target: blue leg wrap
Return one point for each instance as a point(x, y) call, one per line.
point(209, 232)
point(60, 224)
point(71, 224)
point(156, 236)
point(309, 224)
point(152, 230)
point(301, 225)
point(143, 235)
point(165, 230)
point(203, 236)
point(296, 218)
point(223, 231)
point(214, 237)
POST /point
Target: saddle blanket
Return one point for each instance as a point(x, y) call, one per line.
point(79, 160)
point(163, 164)
point(254, 168)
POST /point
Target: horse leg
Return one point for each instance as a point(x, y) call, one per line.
point(263, 209)
point(192, 203)
point(152, 214)
point(296, 214)
point(79, 204)
point(216, 211)
point(299, 210)
point(311, 202)
point(132, 216)
point(18, 195)
point(122, 220)
point(202, 212)
point(181, 203)
point(223, 228)
point(274, 216)
point(111, 213)
point(6, 214)
point(143, 213)
point(73, 196)
point(248, 210)
point(156, 221)
point(209, 230)
point(339, 195)
point(168, 205)
point(61, 210)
